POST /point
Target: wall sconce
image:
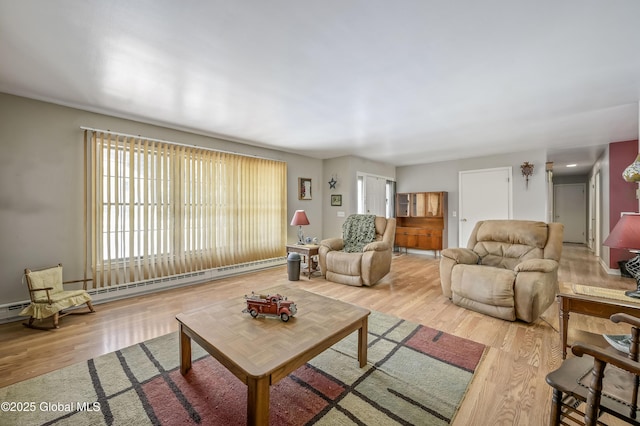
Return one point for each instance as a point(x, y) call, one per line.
point(527, 170)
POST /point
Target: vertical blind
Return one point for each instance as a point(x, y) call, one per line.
point(160, 209)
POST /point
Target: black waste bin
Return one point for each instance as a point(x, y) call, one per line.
point(293, 266)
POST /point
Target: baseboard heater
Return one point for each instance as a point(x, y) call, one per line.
point(9, 312)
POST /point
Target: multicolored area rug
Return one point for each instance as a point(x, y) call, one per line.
point(415, 376)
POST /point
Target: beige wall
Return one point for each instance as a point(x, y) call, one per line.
point(346, 169)
point(443, 176)
point(41, 184)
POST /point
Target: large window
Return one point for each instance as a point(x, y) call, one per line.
point(162, 209)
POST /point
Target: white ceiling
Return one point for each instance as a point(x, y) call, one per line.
point(401, 82)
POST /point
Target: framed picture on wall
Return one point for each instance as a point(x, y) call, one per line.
point(304, 189)
point(336, 199)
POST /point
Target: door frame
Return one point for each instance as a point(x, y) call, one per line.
point(591, 219)
point(583, 208)
point(361, 179)
point(597, 206)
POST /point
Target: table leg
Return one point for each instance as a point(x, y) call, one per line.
point(563, 313)
point(556, 408)
point(258, 401)
point(185, 351)
point(362, 342)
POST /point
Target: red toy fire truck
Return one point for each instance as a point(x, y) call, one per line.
point(270, 305)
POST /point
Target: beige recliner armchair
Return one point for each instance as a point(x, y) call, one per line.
point(364, 267)
point(509, 269)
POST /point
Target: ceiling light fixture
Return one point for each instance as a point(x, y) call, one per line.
point(571, 165)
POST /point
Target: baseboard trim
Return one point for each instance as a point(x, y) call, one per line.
point(608, 270)
point(10, 312)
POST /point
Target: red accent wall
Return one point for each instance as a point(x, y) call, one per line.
point(622, 194)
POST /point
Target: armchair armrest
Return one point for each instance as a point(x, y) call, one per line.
point(626, 318)
point(84, 282)
point(536, 265)
point(607, 356)
point(333, 243)
point(461, 255)
point(45, 289)
point(377, 246)
point(41, 289)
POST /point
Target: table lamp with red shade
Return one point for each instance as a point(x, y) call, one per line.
point(626, 235)
point(299, 219)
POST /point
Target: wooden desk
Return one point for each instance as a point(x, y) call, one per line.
point(262, 351)
point(307, 250)
point(600, 307)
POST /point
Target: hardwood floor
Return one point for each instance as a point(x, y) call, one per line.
point(509, 387)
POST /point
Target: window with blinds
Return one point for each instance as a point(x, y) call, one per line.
point(161, 209)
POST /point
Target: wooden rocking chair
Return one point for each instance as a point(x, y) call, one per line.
point(48, 298)
point(600, 380)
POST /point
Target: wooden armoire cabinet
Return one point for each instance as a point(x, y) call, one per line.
point(421, 220)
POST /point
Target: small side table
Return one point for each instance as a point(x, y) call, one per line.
point(600, 307)
point(307, 250)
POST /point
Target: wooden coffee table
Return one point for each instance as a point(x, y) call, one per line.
point(592, 305)
point(262, 351)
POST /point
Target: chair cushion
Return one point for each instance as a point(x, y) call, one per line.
point(61, 300)
point(523, 232)
point(575, 374)
point(506, 243)
point(62, 295)
point(504, 255)
point(50, 277)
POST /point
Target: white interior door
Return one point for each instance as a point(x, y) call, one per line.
point(570, 201)
point(597, 231)
point(375, 201)
point(484, 194)
point(591, 221)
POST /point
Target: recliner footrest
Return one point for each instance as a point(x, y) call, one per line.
point(484, 289)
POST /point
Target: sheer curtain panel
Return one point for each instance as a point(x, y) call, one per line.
point(160, 209)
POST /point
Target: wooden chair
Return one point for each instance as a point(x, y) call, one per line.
point(48, 297)
point(603, 380)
